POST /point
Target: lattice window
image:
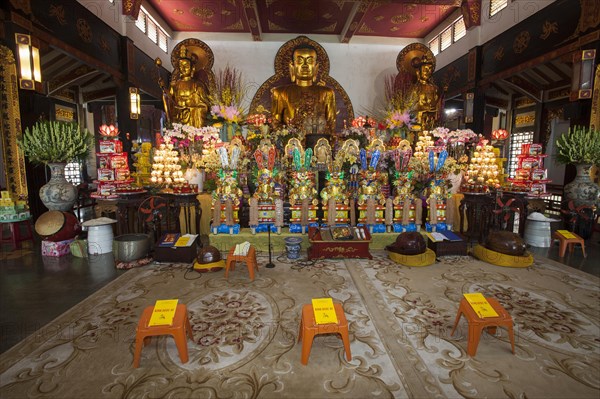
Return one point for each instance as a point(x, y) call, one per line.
point(152, 31)
point(446, 38)
point(162, 41)
point(140, 22)
point(455, 31)
point(434, 45)
point(496, 6)
point(516, 140)
point(460, 30)
point(73, 173)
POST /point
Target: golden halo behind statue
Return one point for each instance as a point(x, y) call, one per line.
point(404, 61)
point(204, 55)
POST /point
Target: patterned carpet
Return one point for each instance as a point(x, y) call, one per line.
point(245, 335)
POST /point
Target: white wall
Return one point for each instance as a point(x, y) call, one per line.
point(360, 69)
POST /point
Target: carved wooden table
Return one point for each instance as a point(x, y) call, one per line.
point(190, 210)
point(325, 248)
point(512, 202)
point(477, 208)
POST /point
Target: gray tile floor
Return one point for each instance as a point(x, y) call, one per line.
point(34, 289)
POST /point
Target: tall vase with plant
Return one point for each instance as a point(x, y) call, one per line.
point(55, 144)
point(581, 147)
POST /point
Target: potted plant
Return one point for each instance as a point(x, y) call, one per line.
point(581, 147)
point(55, 144)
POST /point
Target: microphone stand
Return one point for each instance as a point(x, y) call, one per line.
point(269, 265)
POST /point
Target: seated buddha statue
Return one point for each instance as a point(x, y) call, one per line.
point(186, 98)
point(304, 104)
point(425, 94)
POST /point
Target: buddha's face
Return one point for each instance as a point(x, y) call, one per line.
point(426, 71)
point(305, 64)
point(185, 68)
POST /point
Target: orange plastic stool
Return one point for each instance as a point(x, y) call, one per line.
point(309, 329)
point(568, 242)
point(15, 237)
point(477, 324)
point(249, 258)
point(178, 330)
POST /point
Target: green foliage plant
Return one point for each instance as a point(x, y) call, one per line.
point(580, 145)
point(55, 141)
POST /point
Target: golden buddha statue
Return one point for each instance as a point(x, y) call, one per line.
point(186, 98)
point(424, 94)
point(303, 104)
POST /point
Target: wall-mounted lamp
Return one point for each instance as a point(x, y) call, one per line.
point(583, 75)
point(29, 62)
point(134, 103)
point(469, 99)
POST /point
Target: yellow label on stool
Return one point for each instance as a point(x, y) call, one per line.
point(324, 311)
point(163, 313)
point(565, 233)
point(480, 305)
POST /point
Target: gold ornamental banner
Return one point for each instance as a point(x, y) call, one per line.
point(595, 117)
point(10, 127)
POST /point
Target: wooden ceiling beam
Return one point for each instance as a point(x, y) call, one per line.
point(99, 94)
point(522, 86)
point(538, 72)
point(557, 71)
point(496, 102)
point(500, 89)
point(533, 80)
point(355, 18)
point(251, 15)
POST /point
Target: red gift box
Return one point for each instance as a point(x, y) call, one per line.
point(118, 161)
point(121, 174)
point(106, 174)
point(110, 146)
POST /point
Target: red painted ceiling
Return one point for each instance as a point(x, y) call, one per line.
point(343, 18)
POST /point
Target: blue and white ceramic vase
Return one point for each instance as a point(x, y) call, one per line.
point(58, 194)
point(292, 246)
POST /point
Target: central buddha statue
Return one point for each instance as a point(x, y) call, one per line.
point(304, 104)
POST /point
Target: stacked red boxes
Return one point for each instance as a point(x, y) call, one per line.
point(530, 175)
point(113, 169)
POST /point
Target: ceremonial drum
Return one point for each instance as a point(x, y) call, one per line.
point(57, 226)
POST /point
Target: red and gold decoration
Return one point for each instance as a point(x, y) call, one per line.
point(226, 198)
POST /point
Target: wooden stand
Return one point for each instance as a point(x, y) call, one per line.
point(477, 208)
point(325, 248)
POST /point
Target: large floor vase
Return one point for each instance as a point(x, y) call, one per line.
point(582, 190)
point(58, 194)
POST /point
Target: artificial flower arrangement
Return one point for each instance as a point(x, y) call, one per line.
point(424, 172)
point(458, 143)
point(362, 129)
point(398, 118)
point(227, 97)
point(195, 145)
point(258, 123)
